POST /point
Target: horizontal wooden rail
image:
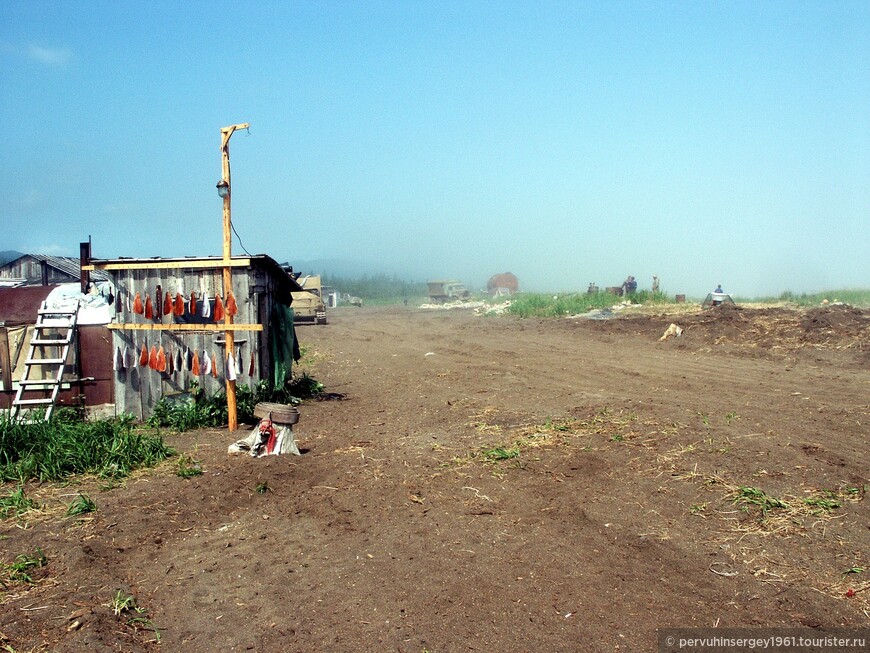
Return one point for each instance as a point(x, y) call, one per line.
point(185, 327)
point(214, 264)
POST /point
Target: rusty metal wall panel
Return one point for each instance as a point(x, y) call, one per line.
point(94, 353)
point(95, 361)
point(20, 305)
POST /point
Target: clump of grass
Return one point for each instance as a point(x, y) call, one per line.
point(125, 604)
point(193, 410)
point(81, 505)
point(500, 453)
point(64, 445)
point(122, 603)
point(188, 467)
point(560, 305)
point(262, 487)
point(19, 571)
point(754, 496)
point(196, 410)
point(16, 503)
point(824, 503)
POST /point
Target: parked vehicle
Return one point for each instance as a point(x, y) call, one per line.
point(308, 305)
point(445, 291)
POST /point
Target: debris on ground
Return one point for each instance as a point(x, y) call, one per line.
point(493, 309)
point(672, 331)
point(451, 305)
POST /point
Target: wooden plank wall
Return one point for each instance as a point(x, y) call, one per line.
point(138, 389)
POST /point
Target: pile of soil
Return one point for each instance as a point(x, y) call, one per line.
point(489, 483)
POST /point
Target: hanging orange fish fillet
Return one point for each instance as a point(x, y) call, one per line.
point(214, 366)
point(161, 360)
point(232, 308)
point(167, 305)
point(143, 358)
point(178, 309)
point(152, 358)
point(194, 367)
point(137, 304)
point(218, 309)
point(192, 309)
point(149, 309)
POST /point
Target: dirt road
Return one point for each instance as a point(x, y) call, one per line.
point(494, 484)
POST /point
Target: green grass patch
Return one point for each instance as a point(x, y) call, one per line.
point(19, 571)
point(16, 503)
point(195, 410)
point(852, 296)
point(754, 496)
point(81, 505)
point(500, 453)
point(125, 606)
point(188, 467)
point(64, 446)
point(561, 305)
point(829, 502)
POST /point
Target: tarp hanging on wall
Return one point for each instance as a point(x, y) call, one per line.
point(282, 344)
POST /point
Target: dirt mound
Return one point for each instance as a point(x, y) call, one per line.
point(765, 333)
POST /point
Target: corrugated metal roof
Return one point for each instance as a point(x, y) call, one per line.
point(66, 264)
point(69, 265)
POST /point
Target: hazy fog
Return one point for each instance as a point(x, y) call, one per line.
point(565, 142)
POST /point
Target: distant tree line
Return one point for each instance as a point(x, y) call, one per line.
point(376, 286)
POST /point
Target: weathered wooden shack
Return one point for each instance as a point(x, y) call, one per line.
point(45, 270)
point(169, 330)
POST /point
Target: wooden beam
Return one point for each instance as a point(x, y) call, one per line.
point(214, 264)
point(184, 327)
point(5, 360)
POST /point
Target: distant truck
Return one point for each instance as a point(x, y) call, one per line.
point(445, 291)
point(308, 305)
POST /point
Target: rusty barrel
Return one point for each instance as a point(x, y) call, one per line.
point(278, 413)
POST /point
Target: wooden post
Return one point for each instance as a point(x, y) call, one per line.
point(84, 261)
point(226, 133)
point(5, 360)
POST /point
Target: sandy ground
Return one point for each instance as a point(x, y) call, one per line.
point(491, 484)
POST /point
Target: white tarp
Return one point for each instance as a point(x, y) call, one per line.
point(94, 307)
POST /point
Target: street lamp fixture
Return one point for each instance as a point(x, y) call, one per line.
point(223, 188)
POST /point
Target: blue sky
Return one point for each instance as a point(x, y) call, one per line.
point(566, 142)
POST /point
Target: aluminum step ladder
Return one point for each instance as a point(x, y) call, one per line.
point(53, 335)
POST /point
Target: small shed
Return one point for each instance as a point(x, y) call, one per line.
point(87, 380)
point(169, 331)
point(45, 270)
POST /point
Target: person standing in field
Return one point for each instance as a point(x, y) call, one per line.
point(655, 286)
